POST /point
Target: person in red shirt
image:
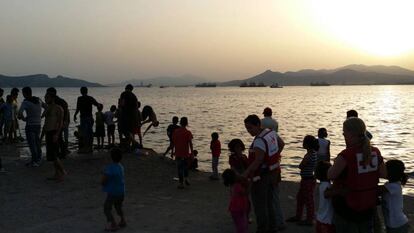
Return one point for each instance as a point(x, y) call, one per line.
point(182, 140)
point(215, 147)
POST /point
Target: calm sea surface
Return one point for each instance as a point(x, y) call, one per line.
point(388, 112)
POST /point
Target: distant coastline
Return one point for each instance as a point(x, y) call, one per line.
point(42, 80)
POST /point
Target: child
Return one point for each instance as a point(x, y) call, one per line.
point(148, 112)
point(113, 182)
point(170, 131)
point(324, 153)
point(238, 161)
point(193, 161)
point(239, 203)
point(100, 126)
point(392, 198)
point(215, 147)
point(304, 196)
point(325, 210)
point(110, 125)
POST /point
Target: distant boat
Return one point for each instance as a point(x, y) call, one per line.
point(162, 86)
point(276, 85)
point(206, 85)
point(142, 85)
point(252, 84)
point(314, 84)
point(181, 85)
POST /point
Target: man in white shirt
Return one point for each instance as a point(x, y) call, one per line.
point(268, 122)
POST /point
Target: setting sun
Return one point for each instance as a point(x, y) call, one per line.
point(378, 27)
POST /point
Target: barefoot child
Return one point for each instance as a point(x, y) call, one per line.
point(392, 198)
point(215, 147)
point(304, 197)
point(325, 211)
point(239, 201)
point(110, 125)
point(113, 182)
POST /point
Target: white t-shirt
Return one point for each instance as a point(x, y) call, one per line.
point(392, 205)
point(270, 123)
point(325, 209)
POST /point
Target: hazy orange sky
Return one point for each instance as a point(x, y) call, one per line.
point(103, 40)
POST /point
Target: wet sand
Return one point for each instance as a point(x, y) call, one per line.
point(29, 203)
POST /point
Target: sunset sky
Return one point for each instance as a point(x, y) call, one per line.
point(105, 40)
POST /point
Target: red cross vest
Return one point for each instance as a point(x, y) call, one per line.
point(272, 157)
point(361, 178)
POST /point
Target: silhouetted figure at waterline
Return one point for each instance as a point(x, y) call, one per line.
point(128, 114)
point(84, 106)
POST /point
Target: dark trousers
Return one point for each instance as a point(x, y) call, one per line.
point(115, 201)
point(304, 198)
point(33, 139)
point(86, 126)
point(182, 168)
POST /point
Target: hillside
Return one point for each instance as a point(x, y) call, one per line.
point(347, 75)
point(42, 80)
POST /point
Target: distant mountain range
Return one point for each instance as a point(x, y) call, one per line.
point(347, 75)
point(164, 81)
point(42, 80)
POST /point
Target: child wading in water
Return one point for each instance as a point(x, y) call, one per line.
point(113, 182)
point(325, 210)
point(324, 153)
point(307, 183)
point(100, 126)
point(392, 198)
point(239, 201)
point(215, 147)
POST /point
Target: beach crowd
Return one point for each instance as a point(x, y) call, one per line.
point(347, 186)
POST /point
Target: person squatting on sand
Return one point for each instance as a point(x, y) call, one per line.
point(215, 147)
point(183, 145)
point(113, 182)
point(264, 171)
point(357, 170)
point(304, 197)
point(51, 129)
point(239, 205)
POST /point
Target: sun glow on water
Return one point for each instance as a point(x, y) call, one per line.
point(382, 28)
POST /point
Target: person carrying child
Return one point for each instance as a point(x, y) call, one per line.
point(324, 215)
point(215, 147)
point(239, 205)
point(100, 126)
point(113, 182)
point(170, 131)
point(304, 197)
point(392, 199)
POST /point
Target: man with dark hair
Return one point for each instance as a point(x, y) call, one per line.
point(84, 106)
point(64, 137)
point(128, 109)
point(268, 122)
point(32, 106)
point(264, 170)
point(354, 113)
point(182, 139)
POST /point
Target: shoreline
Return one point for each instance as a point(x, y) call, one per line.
point(153, 203)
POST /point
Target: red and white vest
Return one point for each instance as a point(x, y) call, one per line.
point(272, 157)
point(361, 178)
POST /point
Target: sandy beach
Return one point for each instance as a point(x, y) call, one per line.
point(29, 203)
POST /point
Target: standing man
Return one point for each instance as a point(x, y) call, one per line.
point(182, 139)
point(32, 106)
point(64, 135)
point(84, 106)
point(51, 129)
point(1, 113)
point(268, 122)
point(264, 170)
point(128, 109)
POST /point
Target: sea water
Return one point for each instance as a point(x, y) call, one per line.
point(388, 112)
